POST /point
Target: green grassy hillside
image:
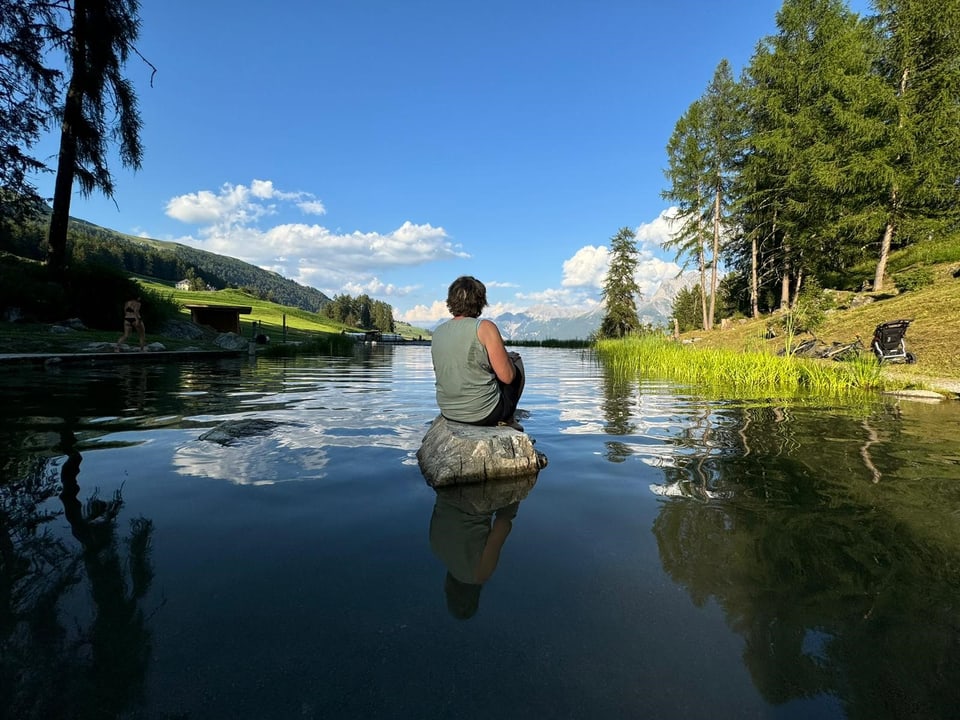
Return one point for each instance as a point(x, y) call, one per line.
point(932, 337)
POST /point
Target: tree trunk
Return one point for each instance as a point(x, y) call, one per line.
point(754, 279)
point(796, 290)
point(785, 282)
point(889, 230)
point(884, 255)
point(716, 257)
point(703, 289)
point(702, 261)
point(67, 160)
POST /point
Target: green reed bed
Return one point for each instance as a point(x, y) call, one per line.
point(743, 372)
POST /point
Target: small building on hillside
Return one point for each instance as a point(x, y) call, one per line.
point(225, 318)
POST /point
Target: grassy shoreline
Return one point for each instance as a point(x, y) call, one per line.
point(740, 372)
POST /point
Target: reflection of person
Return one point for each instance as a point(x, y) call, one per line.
point(478, 382)
point(469, 545)
point(468, 528)
point(132, 322)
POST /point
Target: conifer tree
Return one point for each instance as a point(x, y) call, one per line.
point(702, 153)
point(28, 92)
point(620, 289)
point(687, 171)
point(100, 106)
point(920, 61)
point(811, 111)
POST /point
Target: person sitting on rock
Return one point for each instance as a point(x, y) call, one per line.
point(477, 381)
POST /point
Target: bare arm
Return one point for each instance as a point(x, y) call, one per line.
point(490, 338)
point(491, 551)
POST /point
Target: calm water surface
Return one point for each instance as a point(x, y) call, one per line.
point(678, 558)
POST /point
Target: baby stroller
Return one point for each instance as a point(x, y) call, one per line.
point(888, 342)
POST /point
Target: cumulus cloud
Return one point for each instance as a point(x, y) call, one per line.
point(312, 207)
point(376, 287)
point(425, 315)
point(654, 234)
point(311, 254)
point(587, 268)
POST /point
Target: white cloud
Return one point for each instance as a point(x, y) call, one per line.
point(310, 254)
point(423, 315)
point(376, 287)
point(231, 205)
point(654, 234)
point(587, 267)
point(312, 207)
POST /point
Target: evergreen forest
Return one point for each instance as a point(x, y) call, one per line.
point(838, 144)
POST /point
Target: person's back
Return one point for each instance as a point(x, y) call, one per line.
point(478, 381)
point(466, 384)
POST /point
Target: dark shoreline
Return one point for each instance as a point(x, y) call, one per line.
point(114, 357)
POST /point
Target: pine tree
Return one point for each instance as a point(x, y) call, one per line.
point(687, 152)
point(100, 106)
point(920, 61)
point(28, 92)
point(702, 154)
point(726, 128)
point(620, 288)
point(813, 110)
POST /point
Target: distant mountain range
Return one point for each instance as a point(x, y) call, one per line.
point(551, 324)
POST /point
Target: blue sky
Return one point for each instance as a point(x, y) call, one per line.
point(388, 147)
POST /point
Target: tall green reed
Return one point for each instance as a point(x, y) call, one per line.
point(750, 373)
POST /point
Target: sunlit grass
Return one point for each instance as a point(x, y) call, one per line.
point(743, 373)
point(278, 321)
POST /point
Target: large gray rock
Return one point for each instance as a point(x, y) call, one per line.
point(231, 341)
point(454, 453)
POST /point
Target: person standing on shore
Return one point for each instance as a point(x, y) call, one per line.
point(132, 322)
point(477, 381)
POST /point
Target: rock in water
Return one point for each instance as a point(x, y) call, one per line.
point(454, 453)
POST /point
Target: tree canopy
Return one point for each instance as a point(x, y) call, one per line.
point(840, 142)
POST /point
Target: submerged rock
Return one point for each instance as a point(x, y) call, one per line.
point(454, 453)
point(227, 433)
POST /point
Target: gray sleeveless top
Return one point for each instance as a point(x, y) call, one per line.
point(467, 388)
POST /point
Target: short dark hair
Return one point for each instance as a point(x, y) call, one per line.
point(466, 297)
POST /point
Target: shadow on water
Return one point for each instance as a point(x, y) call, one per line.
point(836, 563)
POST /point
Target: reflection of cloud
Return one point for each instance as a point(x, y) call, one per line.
point(295, 451)
point(252, 461)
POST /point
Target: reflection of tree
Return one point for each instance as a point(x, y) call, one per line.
point(830, 595)
point(619, 396)
point(52, 666)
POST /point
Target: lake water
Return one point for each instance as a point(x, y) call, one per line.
point(680, 557)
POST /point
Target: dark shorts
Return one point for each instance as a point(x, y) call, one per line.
point(509, 398)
